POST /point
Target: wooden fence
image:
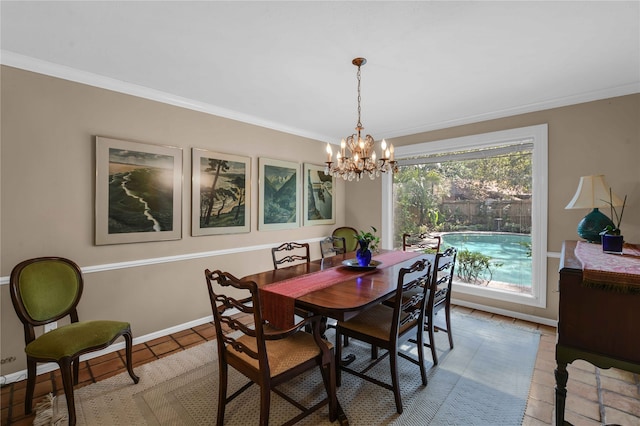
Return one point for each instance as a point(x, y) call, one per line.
point(488, 215)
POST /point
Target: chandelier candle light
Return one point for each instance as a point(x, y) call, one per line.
point(361, 157)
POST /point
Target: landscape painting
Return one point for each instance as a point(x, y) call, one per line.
point(220, 193)
point(319, 202)
point(279, 195)
point(138, 192)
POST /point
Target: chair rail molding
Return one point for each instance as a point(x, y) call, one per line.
point(169, 259)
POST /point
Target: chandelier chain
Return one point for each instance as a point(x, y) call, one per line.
point(359, 125)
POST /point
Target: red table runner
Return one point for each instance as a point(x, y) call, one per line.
point(610, 271)
point(278, 299)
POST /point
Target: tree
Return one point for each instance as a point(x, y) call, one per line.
point(215, 167)
point(416, 201)
point(239, 183)
point(224, 195)
point(475, 175)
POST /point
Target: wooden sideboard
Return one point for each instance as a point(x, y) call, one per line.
point(598, 325)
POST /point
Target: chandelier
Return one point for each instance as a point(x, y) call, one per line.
point(357, 156)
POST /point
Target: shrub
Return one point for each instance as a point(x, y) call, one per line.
point(473, 266)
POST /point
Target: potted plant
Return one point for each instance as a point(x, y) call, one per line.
point(612, 241)
point(367, 241)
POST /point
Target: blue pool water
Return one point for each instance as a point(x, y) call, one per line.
point(508, 249)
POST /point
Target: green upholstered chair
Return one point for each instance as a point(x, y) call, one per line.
point(47, 289)
point(349, 235)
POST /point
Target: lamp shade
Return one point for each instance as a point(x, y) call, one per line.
point(592, 192)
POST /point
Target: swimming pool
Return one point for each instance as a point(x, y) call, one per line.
point(508, 249)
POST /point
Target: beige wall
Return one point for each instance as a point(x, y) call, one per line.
point(601, 137)
point(47, 184)
point(48, 147)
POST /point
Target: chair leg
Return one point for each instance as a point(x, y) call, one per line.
point(128, 340)
point(338, 359)
point(222, 393)
point(432, 343)
point(393, 360)
point(265, 403)
point(31, 386)
point(329, 378)
point(67, 383)
point(76, 371)
point(374, 352)
point(447, 313)
point(420, 348)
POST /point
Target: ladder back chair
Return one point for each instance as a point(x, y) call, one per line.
point(267, 356)
point(383, 326)
point(45, 290)
point(440, 297)
point(288, 254)
point(421, 242)
point(331, 246)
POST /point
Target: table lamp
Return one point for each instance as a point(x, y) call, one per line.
point(593, 193)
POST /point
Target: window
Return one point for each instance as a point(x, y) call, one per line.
point(478, 190)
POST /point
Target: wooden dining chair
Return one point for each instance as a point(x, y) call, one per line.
point(331, 246)
point(384, 326)
point(421, 242)
point(349, 234)
point(45, 290)
point(265, 355)
point(289, 254)
point(440, 298)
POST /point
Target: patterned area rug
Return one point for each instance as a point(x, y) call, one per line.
point(484, 380)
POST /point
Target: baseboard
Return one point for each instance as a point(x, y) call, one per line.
point(506, 313)
point(51, 366)
point(45, 368)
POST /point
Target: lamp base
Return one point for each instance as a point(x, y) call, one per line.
point(592, 224)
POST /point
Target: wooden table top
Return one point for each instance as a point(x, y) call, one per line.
point(344, 299)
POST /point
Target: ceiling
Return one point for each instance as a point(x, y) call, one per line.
point(287, 65)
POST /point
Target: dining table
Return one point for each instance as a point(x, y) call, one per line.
point(334, 287)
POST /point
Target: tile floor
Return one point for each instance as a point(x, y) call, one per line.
point(594, 397)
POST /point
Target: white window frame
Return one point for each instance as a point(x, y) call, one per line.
point(539, 135)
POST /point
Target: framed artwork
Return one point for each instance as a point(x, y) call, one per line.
point(220, 193)
point(138, 192)
point(279, 194)
point(319, 202)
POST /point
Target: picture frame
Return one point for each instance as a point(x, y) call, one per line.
point(220, 193)
point(138, 192)
point(319, 201)
point(279, 194)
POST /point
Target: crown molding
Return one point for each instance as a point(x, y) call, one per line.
point(63, 72)
point(72, 74)
point(596, 95)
